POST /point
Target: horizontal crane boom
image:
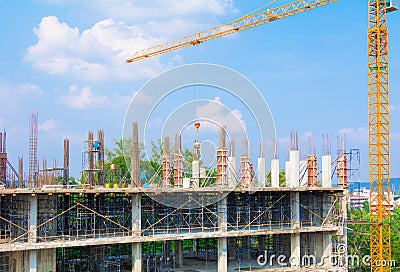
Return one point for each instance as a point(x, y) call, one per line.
point(243, 23)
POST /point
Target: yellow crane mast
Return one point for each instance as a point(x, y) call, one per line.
point(379, 133)
point(248, 21)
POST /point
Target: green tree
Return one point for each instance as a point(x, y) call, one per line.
point(282, 178)
point(395, 236)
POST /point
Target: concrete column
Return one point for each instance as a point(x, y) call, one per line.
point(231, 172)
point(46, 260)
point(136, 257)
point(222, 242)
point(295, 258)
point(327, 248)
point(195, 173)
point(33, 208)
point(136, 231)
point(261, 172)
point(275, 173)
point(32, 261)
point(303, 173)
point(294, 168)
point(344, 212)
point(179, 253)
point(287, 173)
point(326, 171)
point(32, 237)
point(295, 237)
point(295, 207)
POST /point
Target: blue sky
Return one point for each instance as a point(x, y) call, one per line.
point(65, 60)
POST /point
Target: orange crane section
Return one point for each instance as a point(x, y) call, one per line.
point(246, 22)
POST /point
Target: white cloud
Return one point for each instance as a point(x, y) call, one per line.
point(13, 95)
point(355, 135)
point(85, 98)
point(97, 53)
point(49, 125)
point(218, 113)
point(82, 98)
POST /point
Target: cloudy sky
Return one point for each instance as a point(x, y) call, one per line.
point(65, 60)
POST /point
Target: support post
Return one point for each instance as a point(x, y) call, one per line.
point(275, 173)
point(136, 231)
point(222, 241)
point(135, 156)
point(179, 253)
point(231, 171)
point(295, 237)
point(326, 171)
point(261, 172)
point(294, 169)
point(295, 250)
point(33, 232)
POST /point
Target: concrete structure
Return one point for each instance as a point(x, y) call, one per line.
point(96, 228)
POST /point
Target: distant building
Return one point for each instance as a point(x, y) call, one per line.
point(358, 198)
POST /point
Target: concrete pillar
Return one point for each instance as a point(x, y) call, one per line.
point(275, 173)
point(195, 173)
point(136, 231)
point(136, 257)
point(344, 212)
point(327, 248)
point(295, 207)
point(32, 218)
point(294, 168)
point(326, 171)
point(46, 260)
point(179, 253)
point(261, 172)
point(32, 261)
point(222, 241)
point(295, 258)
point(287, 173)
point(32, 237)
point(303, 173)
point(231, 172)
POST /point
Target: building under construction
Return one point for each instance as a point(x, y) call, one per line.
point(171, 223)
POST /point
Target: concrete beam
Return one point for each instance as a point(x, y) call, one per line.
point(162, 237)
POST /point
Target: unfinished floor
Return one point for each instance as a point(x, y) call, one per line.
point(125, 230)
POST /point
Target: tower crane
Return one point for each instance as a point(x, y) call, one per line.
point(379, 133)
point(378, 103)
point(245, 22)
